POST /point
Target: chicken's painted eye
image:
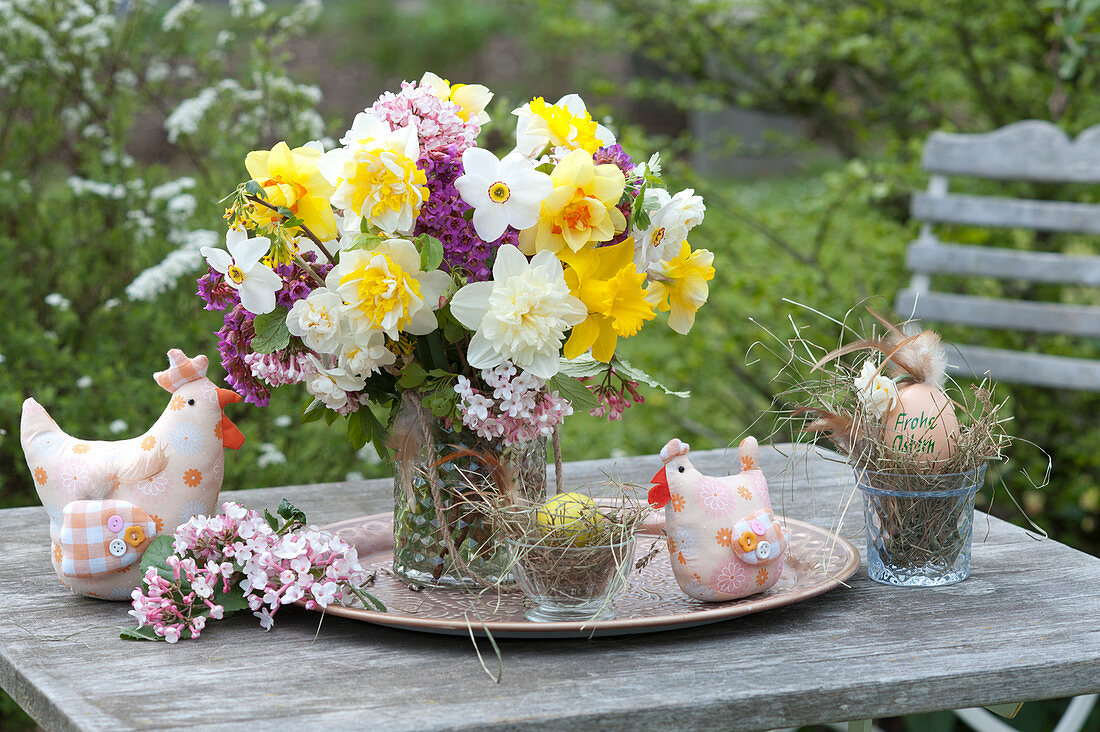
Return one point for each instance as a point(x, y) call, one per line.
point(681, 468)
point(191, 402)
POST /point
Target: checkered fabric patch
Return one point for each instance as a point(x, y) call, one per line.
point(181, 370)
point(99, 537)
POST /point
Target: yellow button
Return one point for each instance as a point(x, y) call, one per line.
point(134, 535)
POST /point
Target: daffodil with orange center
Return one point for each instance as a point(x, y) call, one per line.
point(290, 179)
point(680, 285)
point(610, 287)
point(581, 208)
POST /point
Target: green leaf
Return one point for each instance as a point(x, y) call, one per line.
point(576, 392)
point(285, 212)
point(582, 366)
point(271, 332)
point(290, 512)
point(356, 435)
point(368, 599)
point(271, 520)
point(623, 367)
point(156, 554)
point(144, 633)
point(330, 416)
point(312, 411)
point(412, 376)
point(367, 241)
point(255, 189)
point(377, 432)
point(453, 331)
point(431, 252)
point(231, 601)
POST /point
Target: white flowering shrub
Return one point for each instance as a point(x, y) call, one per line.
point(122, 122)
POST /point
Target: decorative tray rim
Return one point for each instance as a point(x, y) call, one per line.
point(615, 626)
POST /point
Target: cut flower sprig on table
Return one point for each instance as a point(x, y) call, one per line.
point(495, 288)
point(242, 560)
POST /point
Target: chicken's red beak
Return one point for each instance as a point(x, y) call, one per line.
point(659, 493)
point(227, 396)
point(231, 436)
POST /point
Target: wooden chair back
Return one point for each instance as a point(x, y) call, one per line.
point(1031, 150)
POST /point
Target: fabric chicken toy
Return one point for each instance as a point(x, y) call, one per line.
point(723, 540)
point(107, 500)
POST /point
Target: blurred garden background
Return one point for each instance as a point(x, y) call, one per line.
point(123, 122)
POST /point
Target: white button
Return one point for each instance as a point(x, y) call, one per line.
point(117, 547)
point(763, 550)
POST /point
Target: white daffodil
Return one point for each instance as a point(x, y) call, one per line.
point(471, 99)
point(332, 385)
point(375, 175)
point(257, 283)
point(669, 223)
point(363, 351)
point(504, 193)
point(317, 319)
point(565, 124)
point(387, 291)
point(521, 315)
point(877, 393)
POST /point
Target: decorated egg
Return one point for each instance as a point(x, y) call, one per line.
point(923, 423)
point(573, 516)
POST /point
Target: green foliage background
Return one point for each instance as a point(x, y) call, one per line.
point(870, 79)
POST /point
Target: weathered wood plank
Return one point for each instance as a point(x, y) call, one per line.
point(1014, 631)
point(1007, 213)
point(1018, 367)
point(1041, 317)
point(1029, 150)
point(931, 256)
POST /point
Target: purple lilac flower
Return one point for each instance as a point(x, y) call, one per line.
point(235, 335)
point(443, 216)
point(615, 155)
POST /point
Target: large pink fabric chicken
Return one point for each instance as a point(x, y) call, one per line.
point(722, 537)
point(107, 500)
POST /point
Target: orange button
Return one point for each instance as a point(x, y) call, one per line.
point(747, 541)
point(135, 535)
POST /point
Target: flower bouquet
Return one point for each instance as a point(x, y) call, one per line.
point(919, 453)
point(452, 305)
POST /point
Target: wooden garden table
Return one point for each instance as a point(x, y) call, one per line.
point(1025, 626)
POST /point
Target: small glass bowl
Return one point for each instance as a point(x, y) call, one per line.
point(575, 583)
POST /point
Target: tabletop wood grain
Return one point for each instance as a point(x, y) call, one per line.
point(1023, 627)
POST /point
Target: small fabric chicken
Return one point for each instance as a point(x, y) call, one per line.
point(722, 537)
point(107, 500)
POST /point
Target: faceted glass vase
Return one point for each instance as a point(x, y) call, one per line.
point(459, 466)
point(920, 537)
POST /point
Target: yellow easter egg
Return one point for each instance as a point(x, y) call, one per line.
point(572, 516)
point(923, 423)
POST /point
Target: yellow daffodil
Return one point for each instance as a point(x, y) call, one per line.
point(471, 99)
point(375, 175)
point(387, 290)
point(680, 286)
point(564, 124)
point(609, 285)
point(581, 208)
point(290, 178)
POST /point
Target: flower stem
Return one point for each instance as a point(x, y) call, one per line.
point(303, 227)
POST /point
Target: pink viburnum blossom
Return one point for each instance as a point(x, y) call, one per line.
point(518, 410)
point(239, 549)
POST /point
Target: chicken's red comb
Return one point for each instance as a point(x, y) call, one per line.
point(674, 448)
point(181, 370)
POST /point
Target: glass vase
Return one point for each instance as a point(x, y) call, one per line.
point(427, 523)
point(919, 527)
